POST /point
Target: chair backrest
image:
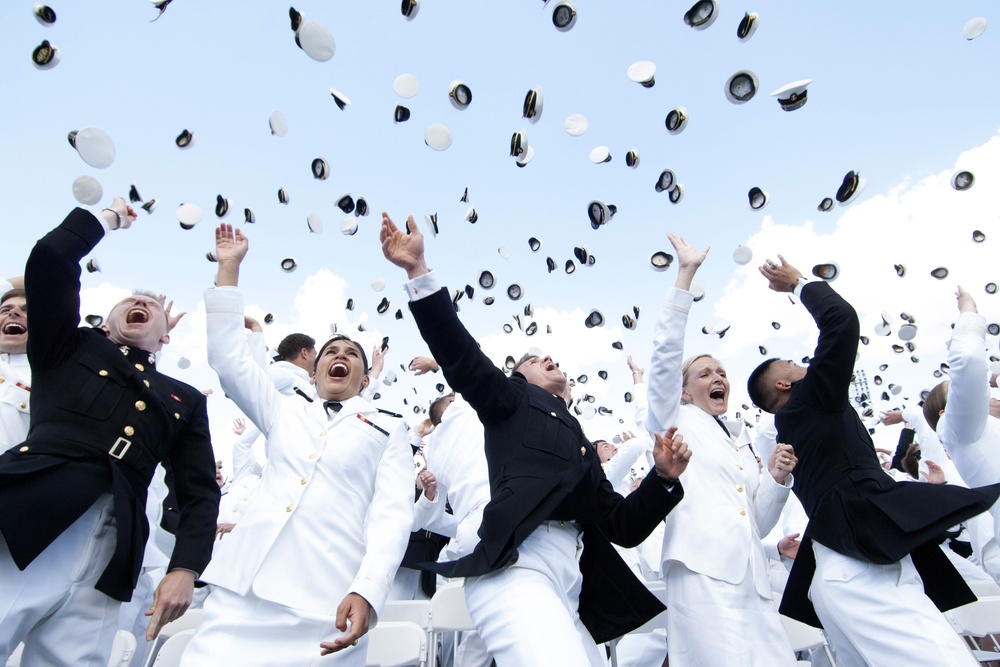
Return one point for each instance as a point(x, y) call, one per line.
point(122, 650)
point(189, 621)
point(396, 644)
point(414, 611)
point(448, 609)
point(170, 653)
point(802, 637)
point(978, 619)
point(658, 622)
point(15, 658)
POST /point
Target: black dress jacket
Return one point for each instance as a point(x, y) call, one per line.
point(854, 507)
point(541, 468)
point(102, 417)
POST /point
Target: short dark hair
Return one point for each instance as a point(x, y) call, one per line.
point(937, 399)
point(292, 344)
point(11, 293)
point(438, 406)
point(333, 339)
point(523, 360)
point(761, 392)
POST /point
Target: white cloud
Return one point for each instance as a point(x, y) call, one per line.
point(922, 225)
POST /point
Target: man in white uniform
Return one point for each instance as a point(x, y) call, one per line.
point(959, 411)
point(322, 538)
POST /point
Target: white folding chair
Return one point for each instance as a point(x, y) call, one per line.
point(657, 622)
point(805, 637)
point(414, 611)
point(396, 644)
point(448, 614)
point(15, 658)
point(170, 653)
point(189, 621)
point(122, 650)
point(980, 619)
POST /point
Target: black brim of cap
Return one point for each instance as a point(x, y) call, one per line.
point(848, 187)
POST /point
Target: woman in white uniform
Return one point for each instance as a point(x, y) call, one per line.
point(719, 600)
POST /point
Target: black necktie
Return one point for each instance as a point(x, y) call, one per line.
point(723, 427)
point(332, 405)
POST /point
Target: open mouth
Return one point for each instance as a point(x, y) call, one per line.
point(136, 316)
point(717, 394)
point(338, 370)
point(14, 329)
point(550, 367)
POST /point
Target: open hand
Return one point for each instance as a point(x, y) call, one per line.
point(670, 453)
point(405, 249)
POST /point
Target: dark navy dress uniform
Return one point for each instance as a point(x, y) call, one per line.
point(543, 468)
point(102, 418)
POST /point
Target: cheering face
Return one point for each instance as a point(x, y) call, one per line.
point(707, 386)
point(340, 371)
point(138, 321)
point(543, 372)
point(14, 325)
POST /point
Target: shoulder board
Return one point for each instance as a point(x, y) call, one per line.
point(391, 414)
point(302, 394)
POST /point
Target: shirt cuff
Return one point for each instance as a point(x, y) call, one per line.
point(970, 324)
point(799, 284)
point(680, 300)
point(422, 286)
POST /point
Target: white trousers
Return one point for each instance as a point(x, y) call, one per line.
point(52, 605)
point(248, 631)
point(528, 614)
point(712, 622)
point(879, 615)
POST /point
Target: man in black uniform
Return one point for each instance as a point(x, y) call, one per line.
point(544, 582)
point(73, 494)
point(868, 536)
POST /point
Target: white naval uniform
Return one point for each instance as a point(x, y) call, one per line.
point(455, 454)
point(968, 433)
point(331, 516)
point(15, 404)
point(719, 601)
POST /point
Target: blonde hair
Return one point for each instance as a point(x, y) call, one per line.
point(686, 366)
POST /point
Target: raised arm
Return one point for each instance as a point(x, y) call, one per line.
point(52, 280)
point(243, 380)
point(967, 409)
point(665, 374)
point(467, 370)
point(832, 364)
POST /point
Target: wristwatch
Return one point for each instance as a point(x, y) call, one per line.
point(119, 215)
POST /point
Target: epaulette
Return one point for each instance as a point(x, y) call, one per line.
point(302, 394)
point(391, 414)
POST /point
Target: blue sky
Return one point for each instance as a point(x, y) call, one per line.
point(898, 94)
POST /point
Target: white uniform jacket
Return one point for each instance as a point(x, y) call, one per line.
point(729, 503)
point(333, 513)
point(15, 385)
point(456, 455)
point(966, 430)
